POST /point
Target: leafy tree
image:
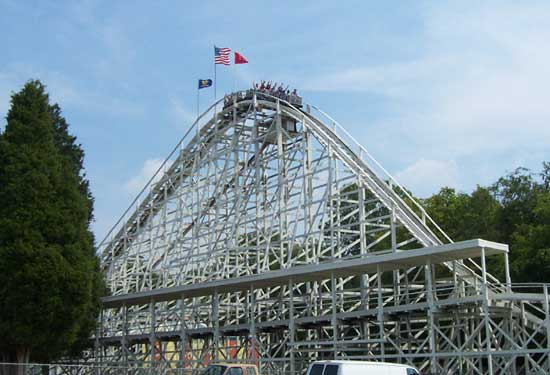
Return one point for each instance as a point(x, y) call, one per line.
point(447, 208)
point(49, 275)
point(517, 193)
point(514, 210)
point(530, 239)
point(464, 216)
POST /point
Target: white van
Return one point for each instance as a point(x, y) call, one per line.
point(359, 368)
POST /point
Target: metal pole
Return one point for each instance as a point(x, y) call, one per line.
point(234, 74)
point(97, 346)
point(183, 334)
point(380, 310)
point(430, 297)
point(152, 338)
point(333, 317)
point(215, 80)
point(252, 328)
point(216, 321)
point(486, 312)
point(125, 334)
point(292, 332)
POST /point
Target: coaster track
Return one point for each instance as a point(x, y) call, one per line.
point(259, 190)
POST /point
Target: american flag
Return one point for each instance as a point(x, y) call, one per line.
point(221, 55)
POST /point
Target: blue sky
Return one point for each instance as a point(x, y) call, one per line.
point(440, 93)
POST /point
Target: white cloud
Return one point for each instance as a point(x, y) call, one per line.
point(476, 93)
point(425, 177)
point(395, 80)
point(138, 182)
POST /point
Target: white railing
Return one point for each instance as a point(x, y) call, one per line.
point(364, 155)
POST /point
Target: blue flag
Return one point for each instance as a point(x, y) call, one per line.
point(204, 83)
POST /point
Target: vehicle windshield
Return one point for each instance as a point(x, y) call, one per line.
point(214, 370)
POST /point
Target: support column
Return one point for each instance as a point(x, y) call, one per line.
point(456, 288)
point(97, 345)
point(252, 312)
point(334, 311)
point(395, 273)
point(509, 305)
point(308, 192)
point(524, 337)
point(380, 312)
point(431, 320)
point(363, 279)
point(183, 333)
point(216, 321)
point(292, 328)
point(125, 334)
point(281, 180)
point(152, 336)
point(486, 319)
point(255, 350)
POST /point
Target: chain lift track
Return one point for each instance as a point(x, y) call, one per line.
point(269, 235)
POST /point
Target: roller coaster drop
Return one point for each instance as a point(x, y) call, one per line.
point(269, 235)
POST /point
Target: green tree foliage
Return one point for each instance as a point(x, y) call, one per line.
point(514, 210)
point(49, 275)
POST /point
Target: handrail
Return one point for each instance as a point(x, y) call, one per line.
point(391, 178)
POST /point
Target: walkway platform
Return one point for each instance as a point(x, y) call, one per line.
point(403, 259)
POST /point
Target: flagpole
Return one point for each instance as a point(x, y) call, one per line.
point(234, 74)
point(197, 120)
point(215, 81)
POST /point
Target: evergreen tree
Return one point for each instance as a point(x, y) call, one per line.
point(49, 275)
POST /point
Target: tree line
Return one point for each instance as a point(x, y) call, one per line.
point(514, 210)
